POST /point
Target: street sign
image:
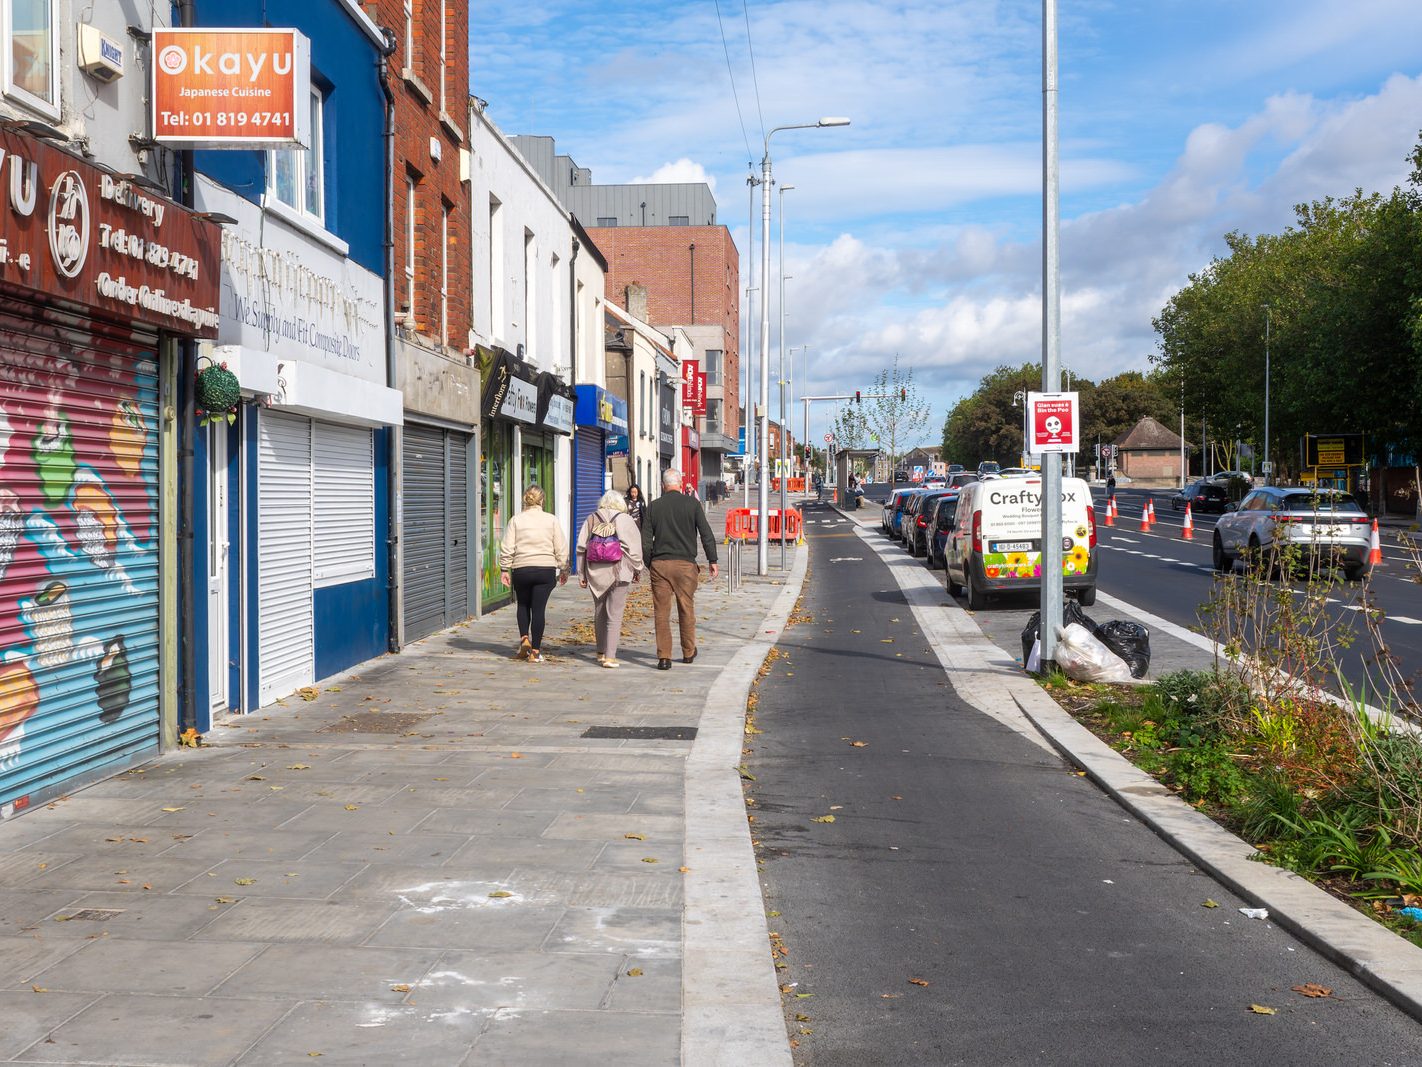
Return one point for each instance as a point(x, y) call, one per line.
point(1266, 468)
point(1054, 420)
point(829, 438)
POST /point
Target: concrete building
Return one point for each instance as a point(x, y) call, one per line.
point(644, 367)
point(537, 334)
point(1150, 453)
point(665, 238)
point(436, 456)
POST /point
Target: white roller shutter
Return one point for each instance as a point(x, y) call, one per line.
point(285, 556)
point(343, 457)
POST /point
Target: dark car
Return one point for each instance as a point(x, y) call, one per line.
point(901, 475)
point(940, 525)
point(1202, 496)
point(958, 479)
point(917, 528)
point(896, 512)
point(891, 505)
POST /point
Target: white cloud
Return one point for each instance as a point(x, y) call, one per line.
point(682, 171)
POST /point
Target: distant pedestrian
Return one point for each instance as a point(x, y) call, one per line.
point(636, 504)
point(819, 487)
point(1111, 486)
point(533, 557)
point(609, 556)
point(674, 522)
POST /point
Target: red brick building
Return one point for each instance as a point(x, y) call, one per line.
point(431, 283)
point(692, 278)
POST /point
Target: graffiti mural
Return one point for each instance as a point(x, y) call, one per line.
point(78, 556)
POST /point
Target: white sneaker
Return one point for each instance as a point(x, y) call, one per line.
point(535, 657)
point(611, 663)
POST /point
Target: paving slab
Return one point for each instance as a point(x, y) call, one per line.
point(112, 965)
point(30, 1017)
point(295, 972)
point(603, 1037)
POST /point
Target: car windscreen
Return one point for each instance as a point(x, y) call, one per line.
point(1319, 502)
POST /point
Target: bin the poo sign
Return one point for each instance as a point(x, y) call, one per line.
point(1054, 421)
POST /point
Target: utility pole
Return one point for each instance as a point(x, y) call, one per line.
point(1052, 591)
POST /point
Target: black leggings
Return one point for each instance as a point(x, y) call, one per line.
point(532, 587)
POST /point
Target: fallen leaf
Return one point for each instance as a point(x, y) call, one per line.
point(515, 755)
point(255, 778)
point(823, 818)
point(803, 996)
point(244, 881)
point(333, 689)
point(172, 809)
point(649, 859)
point(1209, 904)
point(1312, 989)
point(918, 981)
point(401, 987)
point(859, 744)
point(1260, 1009)
point(886, 640)
point(352, 807)
point(299, 767)
point(896, 797)
point(635, 972)
point(684, 870)
point(787, 989)
point(744, 773)
point(635, 837)
point(773, 914)
point(801, 1017)
point(190, 738)
point(225, 900)
point(890, 996)
point(309, 692)
point(39, 989)
point(499, 894)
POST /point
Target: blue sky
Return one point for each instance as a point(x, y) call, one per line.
point(916, 230)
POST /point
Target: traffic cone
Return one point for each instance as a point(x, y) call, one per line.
point(1150, 507)
point(1110, 513)
point(1374, 547)
point(1187, 532)
point(1145, 517)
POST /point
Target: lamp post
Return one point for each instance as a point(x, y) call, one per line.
point(1268, 467)
point(1052, 587)
point(763, 415)
point(784, 434)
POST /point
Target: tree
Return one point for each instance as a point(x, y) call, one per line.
point(896, 414)
point(987, 425)
point(850, 428)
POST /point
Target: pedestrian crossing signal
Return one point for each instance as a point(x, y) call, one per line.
point(856, 396)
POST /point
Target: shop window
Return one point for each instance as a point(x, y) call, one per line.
point(30, 58)
point(412, 208)
point(296, 176)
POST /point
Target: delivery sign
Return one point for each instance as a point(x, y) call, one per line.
point(247, 88)
point(1054, 422)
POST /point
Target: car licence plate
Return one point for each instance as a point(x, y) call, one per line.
point(1014, 546)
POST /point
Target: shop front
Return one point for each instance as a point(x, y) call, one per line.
point(667, 426)
point(690, 459)
point(593, 415)
point(99, 278)
point(295, 535)
point(523, 413)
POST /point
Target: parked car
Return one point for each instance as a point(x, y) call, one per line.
point(917, 524)
point(901, 475)
point(906, 514)
point(1329, 527)
point(940, 525)
point(1225, 477)
point(886, 516)
point(1201, 496)
point(901, 500)
point(935, 481)
point(995, 545)
point(987, 467)
point(958, 479)
point(955, 468)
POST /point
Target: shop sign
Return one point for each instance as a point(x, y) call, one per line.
point(231, 88)
point(70, 231)
point(666, 425)
point(555, 403)
point(699, 406)
point(510, 387)
point(689, 368)
point(593, 407)
point(559, 415)
point(520, 402)
point(286, 293)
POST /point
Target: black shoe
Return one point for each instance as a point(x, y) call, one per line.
point(663, 664)
point(691, 658)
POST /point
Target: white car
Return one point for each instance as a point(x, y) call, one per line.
point(1326, 526)
point(1225, 476)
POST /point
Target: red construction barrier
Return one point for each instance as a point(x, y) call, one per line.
point(742, 524)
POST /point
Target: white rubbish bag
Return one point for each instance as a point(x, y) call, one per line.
point(1083, 657)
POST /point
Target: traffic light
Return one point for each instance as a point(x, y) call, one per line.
point(903, 394)
point(856, 396)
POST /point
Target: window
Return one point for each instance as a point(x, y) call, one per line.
point(296, 176)
point(678, 220)
point(715, 361)
point(409, 36)
point(530, 293)
point(444, 273)
point(411, 214)
point(30, 59)
point(497, 267)
point(443, 53)
point(607, 220)
point(713, 416)
point(642, 404)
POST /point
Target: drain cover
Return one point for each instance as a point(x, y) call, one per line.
point(95, 915)
point(643, 733)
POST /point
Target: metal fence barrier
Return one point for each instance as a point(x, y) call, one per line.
point(733, 567)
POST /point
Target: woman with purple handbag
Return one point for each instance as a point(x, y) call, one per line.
point(609, 559)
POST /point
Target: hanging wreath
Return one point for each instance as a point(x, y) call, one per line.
point(218, 394)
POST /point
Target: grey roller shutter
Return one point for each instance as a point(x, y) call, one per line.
point(423, 530)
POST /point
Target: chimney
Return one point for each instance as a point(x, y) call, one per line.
point(636, 304)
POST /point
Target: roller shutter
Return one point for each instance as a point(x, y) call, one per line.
point(285, 556)
point(589, 463)
point(435, 529)
point(79, 535)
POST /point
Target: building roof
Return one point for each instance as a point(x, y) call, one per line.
point(1147, 433)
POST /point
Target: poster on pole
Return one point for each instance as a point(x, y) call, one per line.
point(1055, 422)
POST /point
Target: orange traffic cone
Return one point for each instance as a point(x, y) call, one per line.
point(1187, 532)
point(1150, 507)
point(1375, 547)
point(1145, 517)
point(1110, 511)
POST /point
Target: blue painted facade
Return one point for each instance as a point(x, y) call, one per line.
point(349, 619)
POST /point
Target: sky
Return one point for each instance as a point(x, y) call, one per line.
point(916, 231)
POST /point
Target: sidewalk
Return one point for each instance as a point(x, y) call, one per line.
point(428, 861)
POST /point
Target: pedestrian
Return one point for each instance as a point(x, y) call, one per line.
point(819, 488)
point(674, 522)
point(533, 557)
point(609, 556)
point(1111, 485)
point(636, 505)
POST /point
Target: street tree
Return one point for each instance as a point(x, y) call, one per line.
point(896, 413)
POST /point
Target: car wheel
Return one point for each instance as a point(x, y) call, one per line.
point(1355, 573)
point(1086, 597)
point(954, 589)
point(1224, 563)
point(976, 599)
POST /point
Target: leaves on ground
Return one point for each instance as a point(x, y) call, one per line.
point(745, 773)
point(298, 766)
point(634, 972)
point(1312, 989)
point(499, 894)
point(352, 807)
point(823, 818)
point(1260, 1009)
point(400, 987)
point(635, 837)
point(918, 981)
point(1209, 904)
point(649, 859)
point(859, 744)
point(309, 692)
point(244, 881)
point(190, 738)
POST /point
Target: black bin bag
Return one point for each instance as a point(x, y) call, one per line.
point(1130, 641)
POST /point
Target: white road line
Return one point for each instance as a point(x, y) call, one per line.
point(1406, 620)
point(1118, 537)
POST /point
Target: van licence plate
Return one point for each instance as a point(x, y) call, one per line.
point(1014, 546)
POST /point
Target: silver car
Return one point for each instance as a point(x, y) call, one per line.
point(1328, 526)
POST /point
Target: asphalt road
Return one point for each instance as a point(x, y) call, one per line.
point(1047, 925)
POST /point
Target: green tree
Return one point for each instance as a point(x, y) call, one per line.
point(850, 429)
point(896, 415)
point(987, 424)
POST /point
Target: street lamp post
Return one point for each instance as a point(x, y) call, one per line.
point(763, 416)
point(784, 435)
point(1268, 467)
point(1052, 586)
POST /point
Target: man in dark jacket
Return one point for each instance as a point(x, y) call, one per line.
point(669, 534)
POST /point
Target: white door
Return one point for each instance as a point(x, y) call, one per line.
point(285, 557)
point(217, 554)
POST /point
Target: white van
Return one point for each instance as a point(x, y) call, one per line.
point(996, 543)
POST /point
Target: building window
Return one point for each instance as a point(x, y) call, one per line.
point(678, 220)
point(443, 53)
point(715, 360)
point(409, 37)
point(713, 416)
point(30, 57)
point(411, 217)
point(296, 176)
point(530, 294)
point(497, 267)
point(444, 273)
point(642, 404)
point(608, 220)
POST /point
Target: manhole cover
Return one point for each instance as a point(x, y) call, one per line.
point(95, 915)
point(375, 722)
point(643, 733)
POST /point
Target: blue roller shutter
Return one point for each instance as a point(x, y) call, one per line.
point(589, 462)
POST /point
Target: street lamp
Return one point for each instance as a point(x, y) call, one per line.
point(763, 419)
point(784, 435)
point(1268, 467)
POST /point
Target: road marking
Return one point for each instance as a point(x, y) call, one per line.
point(1118, 537)
point(848, 559)
point(1405, 619)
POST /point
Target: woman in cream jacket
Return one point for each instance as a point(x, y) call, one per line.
point(533, 557)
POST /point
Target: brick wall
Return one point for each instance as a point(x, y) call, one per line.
point(660, 258)
point(431, 105)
